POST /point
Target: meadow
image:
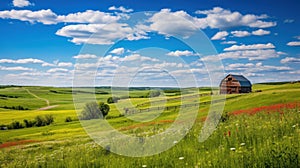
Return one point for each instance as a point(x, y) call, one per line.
point(261, 129)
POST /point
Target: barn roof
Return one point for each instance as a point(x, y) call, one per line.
point(244, 82)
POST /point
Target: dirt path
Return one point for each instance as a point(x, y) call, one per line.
point(43, 99)
point(34, 95)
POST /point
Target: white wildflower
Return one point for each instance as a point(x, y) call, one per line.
point(232, 149)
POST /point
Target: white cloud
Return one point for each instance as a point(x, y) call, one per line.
point(228, 42)
point(240, 33)
point(250, 47)
point(222, 18)
point(177, 23)
point(41, 16)
point(258, 67)
point(290, 60)
point(54, 70)
point(85, 56)
point(22, 61)
point(18, 68)
point(293, 43)
point(220, 35)
point(99, 33)
point(245, 54)
point(118, 51)
point(21, 3)
point(64, 64)
point(288, 21)
point(138, 57)
point(178, 53)
point(48, 17)
point(89, 16)
point(260, 32)
point(249, 54)
point(121, 8)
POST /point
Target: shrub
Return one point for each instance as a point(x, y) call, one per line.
point(113, 100)
point(68, 119)
point(92, 110)
point(16, 125)
point(154, 93)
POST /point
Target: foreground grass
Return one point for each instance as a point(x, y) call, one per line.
point(260, 140)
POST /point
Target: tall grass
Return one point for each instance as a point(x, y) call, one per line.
point(259, 140)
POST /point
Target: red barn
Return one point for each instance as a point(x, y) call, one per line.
point(235, 84)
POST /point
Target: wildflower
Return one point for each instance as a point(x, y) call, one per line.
point(243, 144)
point(144, 165)
point(232, 149)
point(175, 142)
point(181, 158)
point(294, 126)
point(229, 133)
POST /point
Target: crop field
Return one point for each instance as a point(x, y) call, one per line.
point(259, 129)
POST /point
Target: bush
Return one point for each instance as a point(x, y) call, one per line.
point(154, 93)
point(92, 110)
point(16, 125)
point(68, 119)
point(113, 100)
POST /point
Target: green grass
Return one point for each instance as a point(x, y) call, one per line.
point(271, 140)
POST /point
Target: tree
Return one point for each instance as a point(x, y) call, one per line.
point(92, 110)
point(104, 109)
point(154, 93)
point(113, 100)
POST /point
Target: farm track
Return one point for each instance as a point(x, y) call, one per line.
point(43, 99)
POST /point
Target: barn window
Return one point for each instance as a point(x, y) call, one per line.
point(229, 79)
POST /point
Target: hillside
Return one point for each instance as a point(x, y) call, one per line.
point(261, 129)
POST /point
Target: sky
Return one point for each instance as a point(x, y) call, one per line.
point(147, 43)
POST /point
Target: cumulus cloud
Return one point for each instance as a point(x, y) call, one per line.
point(49, 17)
point(240, 33)
point(138, 57)
point(250, 47)
point(89, 16)
point(222, 18)
point(290, 60)
point(245, 54)
point(42, 16)
point(121, 8)
point(258, 67)
point(118, 51)
point(17, 68)
point(85, 56)
point(53, 70)
point(220, 35)
point(288, 21)
point(64, 64)
point(177, 23)
point(179, 53)
point(228, 42)
point(260, 32)
point(22, 61)
point(293, 43)
point(100, 33)
point(21, 3)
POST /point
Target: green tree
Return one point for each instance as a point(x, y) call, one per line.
point(92, 110)
point(104, 109)
point(113, 100)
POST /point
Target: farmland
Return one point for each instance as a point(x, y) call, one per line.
point(262, 128)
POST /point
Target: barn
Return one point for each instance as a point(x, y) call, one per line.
point(235, 84)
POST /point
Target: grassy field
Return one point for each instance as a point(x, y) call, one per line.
point(267, 138)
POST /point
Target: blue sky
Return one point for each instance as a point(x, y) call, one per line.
point(179, 42)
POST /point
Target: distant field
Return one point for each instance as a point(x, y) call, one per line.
point(266, 136)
